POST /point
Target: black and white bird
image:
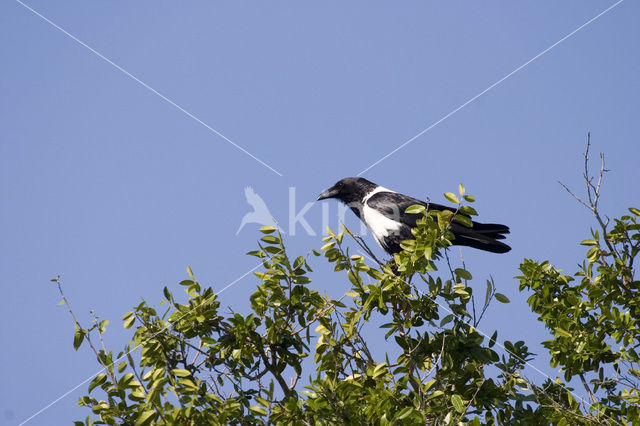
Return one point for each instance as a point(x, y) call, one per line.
point(383, 211)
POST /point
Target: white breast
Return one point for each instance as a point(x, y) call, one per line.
point(379, 225)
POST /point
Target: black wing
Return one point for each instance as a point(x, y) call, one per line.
point(482, 236)
point(393, 206)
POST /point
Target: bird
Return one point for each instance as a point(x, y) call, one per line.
point(383, 212)
point(260, 214)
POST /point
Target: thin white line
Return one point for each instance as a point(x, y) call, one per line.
point(490, 87)
point(70, 391)
point(145, 85)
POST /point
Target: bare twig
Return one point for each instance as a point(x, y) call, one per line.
point(446, 255)
point(593, 196)
point(593, 192)
point(363, 245)
point(198, 351)
point(587, 388)
point(271, 367)
point(87, 335)
point(575, 196)
point(96, 324)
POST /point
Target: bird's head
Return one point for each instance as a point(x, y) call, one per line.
point(349, 190)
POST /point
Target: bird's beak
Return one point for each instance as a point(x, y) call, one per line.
point(329, 193)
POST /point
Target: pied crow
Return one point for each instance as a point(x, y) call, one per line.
point(383, 211)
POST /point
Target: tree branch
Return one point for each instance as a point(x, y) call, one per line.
point(588, 389)
point(107, 369)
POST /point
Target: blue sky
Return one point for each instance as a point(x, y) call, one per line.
point(116, 190)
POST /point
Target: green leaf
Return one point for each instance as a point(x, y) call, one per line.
point(270, 239)
point(463, 220)
point(267, 229)
point(451, 197)
point(380, 370)
point(502, 298)
point(322, 329)
point(354, 278)
point(404, 413)
point(187, 383)
point(97, 381)
point(129, 321)
point(181, 372)
point(446, 320)
point(469, 198)
point(298, 262)
point(78, 338)
point(634, 211)
point(463, 274)
point(273, 249)
point(190, 272)
point(145, 418)
point(487, 295)
point(415, 209)
point(468, 210)
point(474, 422)
point(492, 340)
point(588, 243)
point(456, 400)
point(592, 254)
point(137, 394)
point(262, 402)
point(461, 189)
point(301, 279)
point(428, 385)
point(327, 246)
point(435, 394)
point(257, 253)
point(258, 410)
point(167, 293)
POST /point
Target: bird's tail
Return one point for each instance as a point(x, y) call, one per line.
point(491, 230)
point(483, 236)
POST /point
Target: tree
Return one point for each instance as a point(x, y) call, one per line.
point(300, 357)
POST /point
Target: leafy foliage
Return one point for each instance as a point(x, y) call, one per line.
point(593, 317)
point(300, 357)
